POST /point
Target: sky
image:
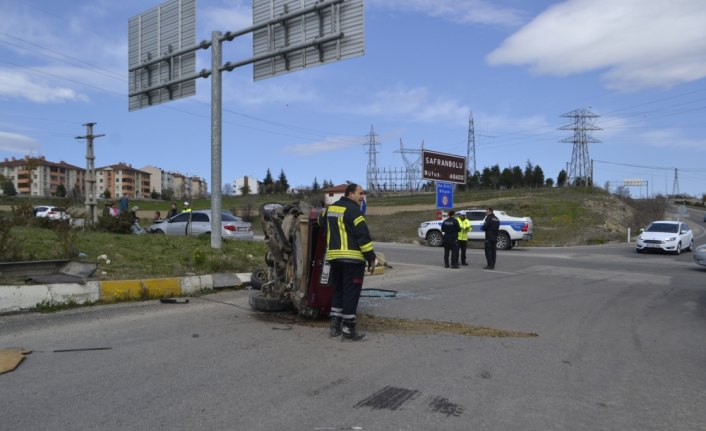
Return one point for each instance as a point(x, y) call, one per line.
point(515, 66)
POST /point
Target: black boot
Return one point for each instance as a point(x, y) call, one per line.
point(349, 333)
point(335, 328)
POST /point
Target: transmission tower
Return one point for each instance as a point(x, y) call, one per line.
point(412, 167)
point(471, 149)
point(675, 189)
point(372, 174)
point(582, 124)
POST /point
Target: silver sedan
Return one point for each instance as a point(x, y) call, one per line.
point(197, 223)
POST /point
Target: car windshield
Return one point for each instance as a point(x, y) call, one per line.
point(663, 227)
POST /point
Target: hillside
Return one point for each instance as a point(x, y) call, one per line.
point(562, 217)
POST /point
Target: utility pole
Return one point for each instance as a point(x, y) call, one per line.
point(90, 178)
point(471, 149)
point(675, 189)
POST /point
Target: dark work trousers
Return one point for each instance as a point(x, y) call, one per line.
point(462, 250)
point(451, 246)
point(490, 247)
point(348, 280)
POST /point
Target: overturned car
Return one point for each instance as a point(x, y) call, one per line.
point(296, 274)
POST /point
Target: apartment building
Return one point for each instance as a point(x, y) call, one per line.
point(123, 180)
point(36, 176)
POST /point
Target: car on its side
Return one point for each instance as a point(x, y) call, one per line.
point(512, 229)
point(51, 212)
point(700, 255)
point(195, 223)
point(665, 235)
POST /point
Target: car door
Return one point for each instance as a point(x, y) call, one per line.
point(200, 224)
point(476, 218)
point(177, 225)
point(686, 235)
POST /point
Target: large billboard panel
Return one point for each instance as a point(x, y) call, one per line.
point(345, 16)
point(161, 30)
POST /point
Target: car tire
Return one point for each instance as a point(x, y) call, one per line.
point(639, 250)
point(691, 246)
point(678, 250)
point(503, 242)
point(258, 301)
point(157, 231)
point(435, 239)
point(258, 278)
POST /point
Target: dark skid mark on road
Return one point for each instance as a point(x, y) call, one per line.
point(443, 405)
point(392, 398)
point(388, 398)
point(397, 325)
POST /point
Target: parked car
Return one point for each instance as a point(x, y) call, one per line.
point(700, 255)
point(197, 223)
point(512, 229)
point(665, 235)
point(50, 212)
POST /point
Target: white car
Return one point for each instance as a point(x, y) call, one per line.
point(51, 212)
point(666, 235)
point(512, 229)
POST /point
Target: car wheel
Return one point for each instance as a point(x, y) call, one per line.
point(639, 250)
point(158, 231)
point(258, 301)
point(435, 239)
point(691, 246)
point(678, 250)
point(258, 278)
point(503, 241)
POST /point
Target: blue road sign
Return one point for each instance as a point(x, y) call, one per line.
point(444, 195)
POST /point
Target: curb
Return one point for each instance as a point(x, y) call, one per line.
point(25, 297)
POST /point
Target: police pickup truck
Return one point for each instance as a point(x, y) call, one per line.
point(512, 229)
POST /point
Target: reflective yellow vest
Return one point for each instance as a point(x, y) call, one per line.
point(465, 228)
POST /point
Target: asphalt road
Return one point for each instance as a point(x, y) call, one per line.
point(620, 345)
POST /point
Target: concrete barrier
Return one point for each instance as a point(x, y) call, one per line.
point(25, 297)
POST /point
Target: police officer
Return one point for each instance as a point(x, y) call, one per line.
point(349, 248)
point(450, 228)
point(465, 226)
point(491, 226)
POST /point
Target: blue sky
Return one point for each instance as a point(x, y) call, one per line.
point(517, 65)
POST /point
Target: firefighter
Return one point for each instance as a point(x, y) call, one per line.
point(465, 226)
point(349, 249)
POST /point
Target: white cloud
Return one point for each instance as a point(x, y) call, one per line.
point(16, 143)
point(461, 11)
point(638, 43)
point(19, 85)
point(414, 104)
point(325, 146)
point(671, 138)
point(234, 15)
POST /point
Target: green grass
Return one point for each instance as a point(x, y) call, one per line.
point(140, 256)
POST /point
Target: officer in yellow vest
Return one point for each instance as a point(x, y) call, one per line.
point(465, 226)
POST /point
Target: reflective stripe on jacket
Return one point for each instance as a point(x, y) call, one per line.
point(347, 235)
